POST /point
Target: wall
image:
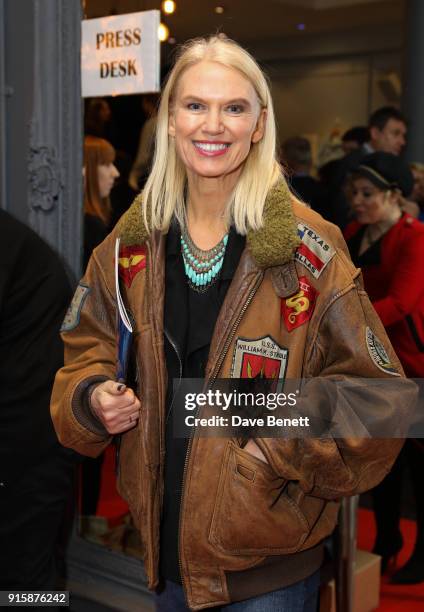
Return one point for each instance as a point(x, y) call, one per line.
point(317, 96)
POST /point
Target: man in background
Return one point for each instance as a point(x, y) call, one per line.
point(36, 473)
point(354, 138)
point(387, 129)
point(296, 155)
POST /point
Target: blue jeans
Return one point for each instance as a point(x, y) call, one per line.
point(299, 597)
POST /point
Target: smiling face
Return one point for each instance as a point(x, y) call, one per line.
point(369, 203)
point(215, 118)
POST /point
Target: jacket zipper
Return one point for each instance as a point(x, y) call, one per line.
point(150, 568)
point(211, 381)
point(233, 330)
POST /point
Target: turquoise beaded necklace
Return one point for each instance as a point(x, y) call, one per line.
point(202, 268)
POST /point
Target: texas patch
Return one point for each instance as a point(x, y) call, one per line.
point(314, 253)
point(379, 354)
point(72, 317)
point(132, 259)
point(260, 358)
point(297, 309)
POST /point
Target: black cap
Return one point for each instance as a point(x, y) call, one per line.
point(386, 171)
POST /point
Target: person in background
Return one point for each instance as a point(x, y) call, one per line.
point(122, 195)
point(97, 117)
point(354, 138)
point(387, 133)
point(36, 472)
point(146, 146)
point(100, 174)
point(388, 245)
point(296, 155)
point(417, 195)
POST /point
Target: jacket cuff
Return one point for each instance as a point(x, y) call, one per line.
point(81, 406)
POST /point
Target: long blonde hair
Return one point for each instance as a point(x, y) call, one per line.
point(164, 191)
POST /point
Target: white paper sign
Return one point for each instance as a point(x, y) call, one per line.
point(120, 54)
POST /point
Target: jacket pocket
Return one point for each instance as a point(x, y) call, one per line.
point(129, 479)
point(253, 512)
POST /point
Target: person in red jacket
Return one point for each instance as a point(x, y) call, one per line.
point(388, 244)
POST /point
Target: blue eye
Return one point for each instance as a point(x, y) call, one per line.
point(235, 109)
point(194, 106)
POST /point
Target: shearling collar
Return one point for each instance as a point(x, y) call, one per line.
point(272, 245)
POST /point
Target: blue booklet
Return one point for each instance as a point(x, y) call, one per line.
point(123, 327)
point(123, 343)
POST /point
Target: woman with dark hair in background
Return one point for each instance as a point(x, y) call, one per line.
point(388, 244)
point(100, 173)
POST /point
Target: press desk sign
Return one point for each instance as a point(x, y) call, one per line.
point(120, 54)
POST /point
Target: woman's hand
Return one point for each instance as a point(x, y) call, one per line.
point(116, 406)
point(252, 448)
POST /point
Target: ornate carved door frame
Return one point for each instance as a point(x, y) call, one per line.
point(41, 120)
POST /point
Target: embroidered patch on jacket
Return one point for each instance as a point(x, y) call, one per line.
point(298, 308)
point(314, 253)
point(258, 359)
point(379, 354)
point(132, 259)
point(72, 317)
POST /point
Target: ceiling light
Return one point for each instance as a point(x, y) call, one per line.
point(163, 32)
point(219, 10)
point(169, 6)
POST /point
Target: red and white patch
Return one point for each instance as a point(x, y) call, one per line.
point(132, 259)
point(314, 253)
point(298, 308)
point(260, 358)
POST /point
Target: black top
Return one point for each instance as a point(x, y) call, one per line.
point(312, 192)
point(342, 168)
point(189, 322)
point(95, 231)
point(370, 257)
point(34, 295)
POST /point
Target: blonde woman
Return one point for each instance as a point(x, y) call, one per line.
point(226, 275)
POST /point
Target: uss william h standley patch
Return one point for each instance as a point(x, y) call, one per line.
point(72, 317)
point(379, 354)
point(260, 358)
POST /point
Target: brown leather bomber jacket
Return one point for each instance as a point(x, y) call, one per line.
point(297, 301)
